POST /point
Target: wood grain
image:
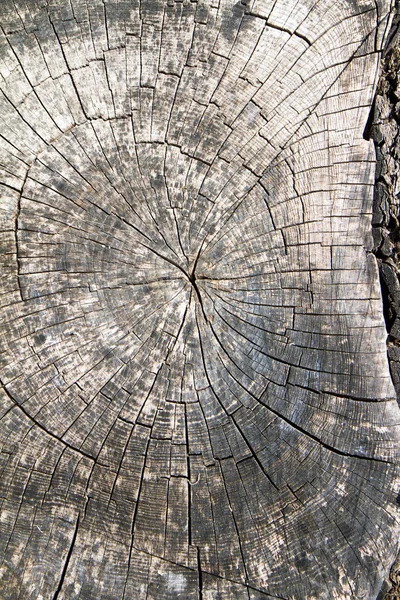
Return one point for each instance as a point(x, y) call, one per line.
point(195, 394)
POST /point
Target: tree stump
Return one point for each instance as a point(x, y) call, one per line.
point(196, 400)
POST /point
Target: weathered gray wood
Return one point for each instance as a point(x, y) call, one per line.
point(195, 394)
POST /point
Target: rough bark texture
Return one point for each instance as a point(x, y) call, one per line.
point(196, 399)
point(386, 229)
point(385, 126)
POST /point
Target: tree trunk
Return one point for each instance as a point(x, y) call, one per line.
point(196, 399)
point(385, 129)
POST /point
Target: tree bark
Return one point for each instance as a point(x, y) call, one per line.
point(195, 393)
point(385, 120)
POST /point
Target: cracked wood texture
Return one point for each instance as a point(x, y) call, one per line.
point(195, 394)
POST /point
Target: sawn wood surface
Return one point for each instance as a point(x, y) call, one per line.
point(195, 395)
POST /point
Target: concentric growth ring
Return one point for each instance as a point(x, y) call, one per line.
point(196, 400)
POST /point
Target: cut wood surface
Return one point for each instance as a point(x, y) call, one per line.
point(196, 402)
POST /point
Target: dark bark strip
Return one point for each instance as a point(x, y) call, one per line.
point(384, 128)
